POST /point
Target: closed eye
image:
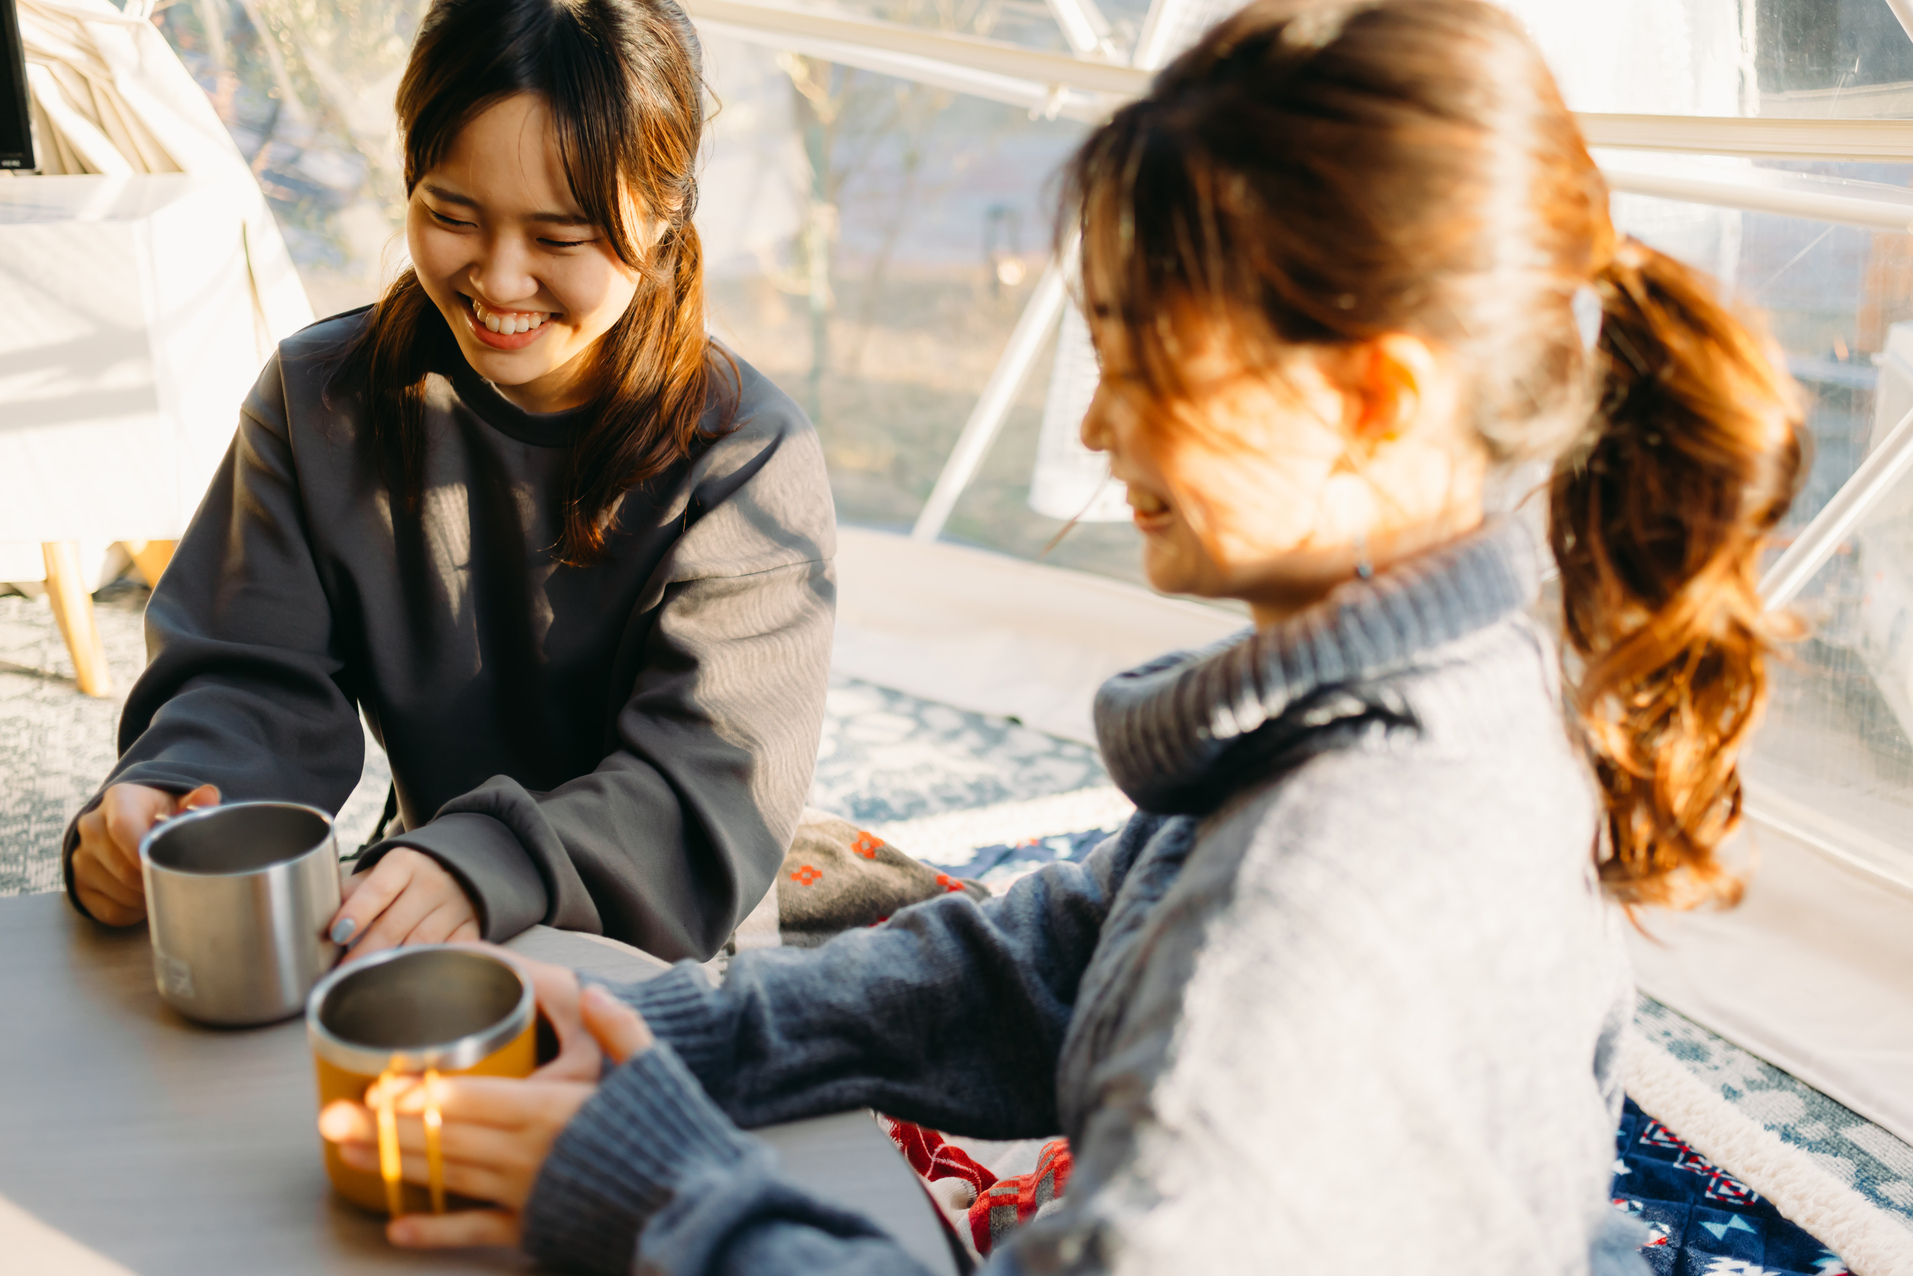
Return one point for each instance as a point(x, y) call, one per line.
point(563, 243)
point(443, 220)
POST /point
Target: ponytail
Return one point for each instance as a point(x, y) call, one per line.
point(1658, 525)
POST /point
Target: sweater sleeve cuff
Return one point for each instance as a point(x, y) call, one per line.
point(682, 1008)
point(486, 858)
point(649, 1129)
point(69, 844)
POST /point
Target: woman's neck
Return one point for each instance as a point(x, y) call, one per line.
point(1299, 580)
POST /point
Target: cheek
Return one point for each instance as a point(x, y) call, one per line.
point(1256, 506)
point(594, 289)
point(435, 254)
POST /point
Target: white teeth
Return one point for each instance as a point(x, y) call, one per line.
point(509, 324)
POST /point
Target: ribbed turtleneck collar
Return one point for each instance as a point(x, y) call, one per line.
point(1174, 732)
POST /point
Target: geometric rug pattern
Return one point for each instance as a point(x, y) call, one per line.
point(1704, 1222)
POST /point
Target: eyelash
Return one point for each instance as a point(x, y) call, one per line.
point(443, 220)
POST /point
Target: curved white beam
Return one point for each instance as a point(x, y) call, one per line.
point(1875, 141)
point(1032, 331)
point(1761, 190)
point(1057, 70)
point(1883, 468)
point(1870, 141)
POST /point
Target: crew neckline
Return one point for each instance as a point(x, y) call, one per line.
point(540, 429)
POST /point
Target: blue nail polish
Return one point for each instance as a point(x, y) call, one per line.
point(342, 930)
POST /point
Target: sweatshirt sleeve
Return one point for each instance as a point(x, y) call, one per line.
point(950, 1014)
point(243, 686)
point(650, 1176)
point(679, 830)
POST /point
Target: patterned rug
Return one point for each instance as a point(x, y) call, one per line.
point(1703, 1219)
point(990, 799)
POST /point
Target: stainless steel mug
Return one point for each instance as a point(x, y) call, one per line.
point(237, 901)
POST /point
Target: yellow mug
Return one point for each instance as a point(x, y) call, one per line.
point(414, 1012)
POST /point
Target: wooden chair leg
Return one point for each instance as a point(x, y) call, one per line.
point(73, 608)
point(151, 557)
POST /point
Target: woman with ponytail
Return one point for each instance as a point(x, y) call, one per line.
point(1348, 993)
point(570, 559)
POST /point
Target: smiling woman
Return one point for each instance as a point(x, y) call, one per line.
point(512, 263)
point(571, 560)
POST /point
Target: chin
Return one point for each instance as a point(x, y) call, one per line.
point(1166, 575)
point(504, 367)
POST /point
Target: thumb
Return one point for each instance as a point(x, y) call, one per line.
point(204, 795)
point(620, 1031)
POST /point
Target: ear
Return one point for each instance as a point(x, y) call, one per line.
point(1386, 382)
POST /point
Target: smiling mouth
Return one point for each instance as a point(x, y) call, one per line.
point(1150, 511)
point(505, 329)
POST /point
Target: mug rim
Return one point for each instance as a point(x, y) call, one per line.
point(199, 813)
point(446, 1056)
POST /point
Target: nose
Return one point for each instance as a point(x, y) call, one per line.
point(1095, 431)
point(503, 274)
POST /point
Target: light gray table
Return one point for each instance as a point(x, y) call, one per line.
point(134, 1141)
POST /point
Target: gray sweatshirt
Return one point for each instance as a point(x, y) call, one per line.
point(1345, 996)
point(622, 748)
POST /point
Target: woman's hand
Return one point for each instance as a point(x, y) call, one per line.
point(495, 1135)
point(106, 874)
point(407, 898)
point(579, 1057)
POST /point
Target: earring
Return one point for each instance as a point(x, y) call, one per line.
point(1364, 569)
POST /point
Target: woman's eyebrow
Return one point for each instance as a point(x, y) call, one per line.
point(545, 218)
point(449, 196)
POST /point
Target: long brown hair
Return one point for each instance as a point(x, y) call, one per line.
point(622, 80)
point(1324, 172)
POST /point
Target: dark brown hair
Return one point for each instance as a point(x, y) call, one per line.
point(1324, 173)
point(622, 80)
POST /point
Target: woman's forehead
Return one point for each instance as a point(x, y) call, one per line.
point(507, 161)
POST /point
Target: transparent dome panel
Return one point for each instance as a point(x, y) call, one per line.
point(872, 254)
point(1801, 59)
point(1830, 294)
point(1834, 758)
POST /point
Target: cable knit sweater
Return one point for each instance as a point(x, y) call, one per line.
point(1344, 996)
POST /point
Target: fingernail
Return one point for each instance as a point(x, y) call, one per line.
point(342, 930)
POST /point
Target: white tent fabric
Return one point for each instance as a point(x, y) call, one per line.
point(1813, 972)
point(114, 109)
point(109, 96)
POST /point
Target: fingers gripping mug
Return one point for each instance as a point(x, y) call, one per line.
point(237, 899)
point(434, 1009)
